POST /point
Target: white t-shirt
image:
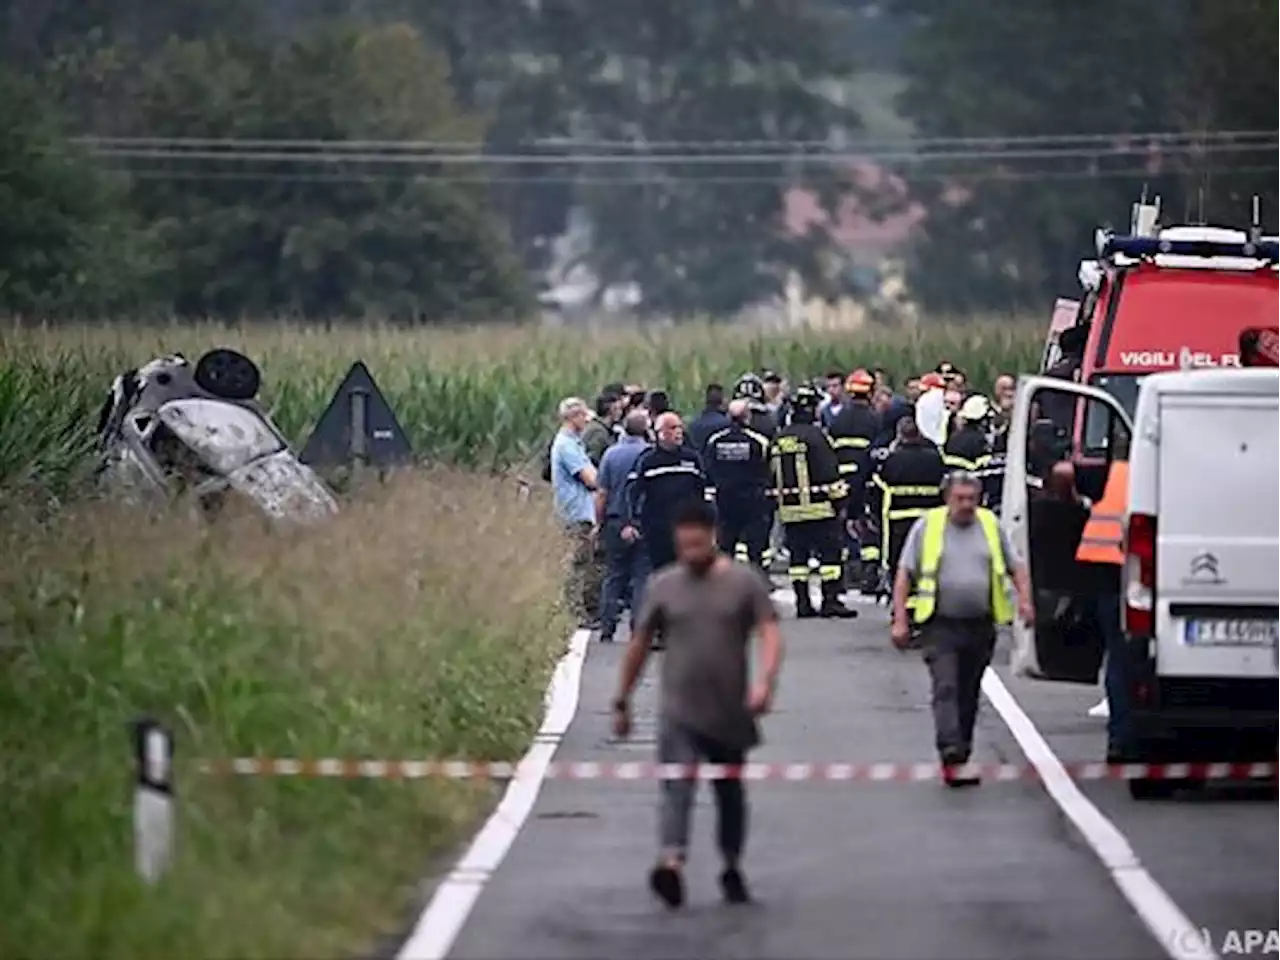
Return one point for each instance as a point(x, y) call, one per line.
point(931, 416)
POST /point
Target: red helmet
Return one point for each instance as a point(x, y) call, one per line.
point(859, 383)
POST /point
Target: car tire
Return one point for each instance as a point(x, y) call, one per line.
point(228, 374)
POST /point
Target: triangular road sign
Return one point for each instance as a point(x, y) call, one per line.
point(358, 426)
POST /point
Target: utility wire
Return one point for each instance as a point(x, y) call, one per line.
point(959, 178)
point(645, 147)
point(727, 159)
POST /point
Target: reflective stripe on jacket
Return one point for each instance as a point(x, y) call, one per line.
point(924, 600)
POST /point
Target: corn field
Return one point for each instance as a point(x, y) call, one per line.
point(479, 397)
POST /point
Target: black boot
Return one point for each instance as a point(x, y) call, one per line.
point(832, 607)
point(804, 602)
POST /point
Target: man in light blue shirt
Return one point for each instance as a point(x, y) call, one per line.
point(573, 480)
point(627, 561)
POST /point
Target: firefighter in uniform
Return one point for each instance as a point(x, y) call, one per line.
point(810, 495)
point(967, 447)
point(908, 483)
point(736, 460)
point(852, 431)
point(991, 472)
point(870, 533)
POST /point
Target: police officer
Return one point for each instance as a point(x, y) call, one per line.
point(737, 466)
point(852, 431)
point(967, 447)
point(759, 417)
point(811, 496)
point(908, 484)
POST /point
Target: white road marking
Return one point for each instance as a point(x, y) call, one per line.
point(443, 917)
point(1167, 923)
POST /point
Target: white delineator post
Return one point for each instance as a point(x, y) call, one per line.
point(152, 800)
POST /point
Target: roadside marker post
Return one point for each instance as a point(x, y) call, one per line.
point(153, 813)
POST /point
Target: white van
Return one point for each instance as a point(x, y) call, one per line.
point(1201, 581)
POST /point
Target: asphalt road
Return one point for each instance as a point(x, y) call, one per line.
point(874, 870)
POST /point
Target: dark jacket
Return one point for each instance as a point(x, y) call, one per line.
point(704, 425)
point(737, 465)
point(908, 481)
point(966, 449)
point(898, 408)
point(806, 474)
point(661, 481)
point(597, 437)
point(852, 432)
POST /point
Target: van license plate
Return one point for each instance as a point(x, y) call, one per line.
point(1232, 633)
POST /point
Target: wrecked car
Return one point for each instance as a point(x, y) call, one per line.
point(172, 430)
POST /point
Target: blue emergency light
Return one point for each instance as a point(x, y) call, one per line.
point(1137, 247)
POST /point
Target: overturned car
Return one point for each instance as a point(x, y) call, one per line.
point(172, 430)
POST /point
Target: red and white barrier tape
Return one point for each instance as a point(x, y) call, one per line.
point(794, 772)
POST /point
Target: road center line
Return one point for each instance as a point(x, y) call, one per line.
point(442, 920)
point(1167, 923)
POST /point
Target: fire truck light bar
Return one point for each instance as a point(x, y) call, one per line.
point(1111, 245)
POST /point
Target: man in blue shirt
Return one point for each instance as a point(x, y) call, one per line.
point(573, 480)
point(627, 561)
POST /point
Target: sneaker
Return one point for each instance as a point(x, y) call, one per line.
point(734, 886)
point(1100, 709)
point(667, 885)
point(951, 761)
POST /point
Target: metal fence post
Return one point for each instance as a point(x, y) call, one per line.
point(152, 799)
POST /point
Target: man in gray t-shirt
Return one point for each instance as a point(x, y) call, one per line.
point(959, 637)
point(704, 609)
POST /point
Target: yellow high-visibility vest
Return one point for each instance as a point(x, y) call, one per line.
point(924, 599)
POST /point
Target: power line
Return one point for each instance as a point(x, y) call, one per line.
point(959, 178)
point(726, 159)
point(645, 147)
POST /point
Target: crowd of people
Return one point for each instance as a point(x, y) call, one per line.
point(863, 485)
point(823, 479)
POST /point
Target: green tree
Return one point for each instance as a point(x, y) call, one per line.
point(66, 244)
point(1014, 230)
point(328, 238)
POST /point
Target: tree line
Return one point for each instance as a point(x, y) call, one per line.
point(142, 173)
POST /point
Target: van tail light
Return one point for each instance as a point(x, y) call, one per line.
point(1140, 576)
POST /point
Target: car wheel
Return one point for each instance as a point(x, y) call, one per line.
point(228, 374)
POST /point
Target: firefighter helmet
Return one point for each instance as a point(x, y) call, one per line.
point(976, 409)
point(749, 387)
point(806, 399)
point(859, 383)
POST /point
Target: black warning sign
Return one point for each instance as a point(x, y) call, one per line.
point(358, 426)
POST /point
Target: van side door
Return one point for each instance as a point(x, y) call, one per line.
point(1046, 529)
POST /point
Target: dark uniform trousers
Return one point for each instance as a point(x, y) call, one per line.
point(822, 540)
point(957, 653)
point(745, 521)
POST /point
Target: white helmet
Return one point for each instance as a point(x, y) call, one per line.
point(975, 409)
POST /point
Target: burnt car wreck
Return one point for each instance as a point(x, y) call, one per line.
point(172, 431)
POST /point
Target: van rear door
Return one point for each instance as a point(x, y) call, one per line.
point(1218, 496)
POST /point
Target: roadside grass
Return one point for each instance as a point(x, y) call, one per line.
point(419, 623)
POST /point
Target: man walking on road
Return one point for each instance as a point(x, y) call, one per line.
point(953, 579)
point(705, 608)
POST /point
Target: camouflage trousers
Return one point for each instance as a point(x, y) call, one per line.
point(584, 573)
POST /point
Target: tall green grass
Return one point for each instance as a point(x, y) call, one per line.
point(480, 397)
point(419, 623)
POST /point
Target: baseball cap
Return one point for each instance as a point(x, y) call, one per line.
point(771, 376)
point(932, 381)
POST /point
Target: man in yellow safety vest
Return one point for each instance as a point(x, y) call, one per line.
point(952, 582)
